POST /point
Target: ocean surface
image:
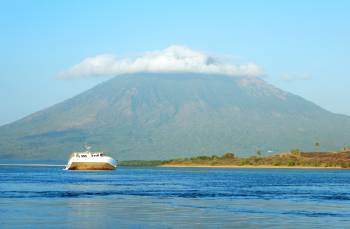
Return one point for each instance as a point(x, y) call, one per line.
point(136, 197)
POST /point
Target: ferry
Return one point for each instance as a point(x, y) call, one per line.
point(90, 161)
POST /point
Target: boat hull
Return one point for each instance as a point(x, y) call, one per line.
point(91, 166)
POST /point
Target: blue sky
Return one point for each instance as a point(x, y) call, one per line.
point(302, 46)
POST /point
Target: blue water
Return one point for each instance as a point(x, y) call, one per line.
point(135, 197)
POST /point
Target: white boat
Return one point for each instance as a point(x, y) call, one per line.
point(90, 161)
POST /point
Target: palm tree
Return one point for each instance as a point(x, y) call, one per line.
point(317, 145)
point(258, 152)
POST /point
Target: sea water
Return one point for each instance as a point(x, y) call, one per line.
point(136, 197)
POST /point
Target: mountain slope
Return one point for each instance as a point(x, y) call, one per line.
point(160, 116)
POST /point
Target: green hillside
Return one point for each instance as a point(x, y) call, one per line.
point(162, 116)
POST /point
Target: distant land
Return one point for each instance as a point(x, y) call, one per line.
point(292, 159)
point(149, 116)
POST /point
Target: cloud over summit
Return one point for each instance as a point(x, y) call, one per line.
point(169, 60)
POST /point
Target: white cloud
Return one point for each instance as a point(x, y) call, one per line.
point(169, 60)
point(294, 77)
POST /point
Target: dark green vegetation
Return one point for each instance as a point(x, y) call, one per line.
point(141, 163)
point(162, 116)
point(293, 158)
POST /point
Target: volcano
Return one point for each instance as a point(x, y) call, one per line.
point(170, 115)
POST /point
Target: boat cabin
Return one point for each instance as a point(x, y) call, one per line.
point(87, 154)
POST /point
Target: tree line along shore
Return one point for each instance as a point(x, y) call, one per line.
point(294, 158)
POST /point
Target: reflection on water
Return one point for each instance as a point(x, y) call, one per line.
point(174, 198)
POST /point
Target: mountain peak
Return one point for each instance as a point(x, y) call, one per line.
point(152, 116)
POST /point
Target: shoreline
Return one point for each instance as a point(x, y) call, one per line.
point(249, 166)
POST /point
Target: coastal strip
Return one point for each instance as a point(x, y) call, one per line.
point(294, 159)
point(248, 166)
